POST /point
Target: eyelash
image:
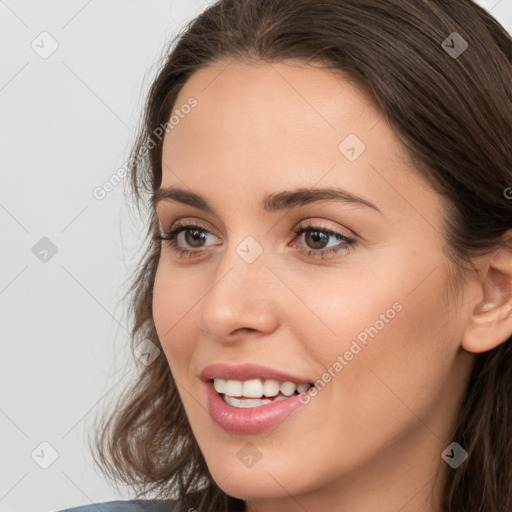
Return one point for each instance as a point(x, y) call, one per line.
point(171, 237)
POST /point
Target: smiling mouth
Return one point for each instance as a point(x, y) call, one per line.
point(256, 392)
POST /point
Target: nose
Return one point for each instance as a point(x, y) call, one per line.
point(241, 299)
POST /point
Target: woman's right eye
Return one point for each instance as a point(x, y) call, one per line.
point(192, 235)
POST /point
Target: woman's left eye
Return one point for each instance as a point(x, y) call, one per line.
point(316, 236)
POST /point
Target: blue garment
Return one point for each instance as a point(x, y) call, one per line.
point(128, 506)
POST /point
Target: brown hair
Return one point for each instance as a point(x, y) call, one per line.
point(453, 115)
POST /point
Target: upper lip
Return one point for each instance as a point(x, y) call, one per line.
point(248, 371)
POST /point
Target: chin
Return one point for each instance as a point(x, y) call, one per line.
point(262, 481)
point(256, 487)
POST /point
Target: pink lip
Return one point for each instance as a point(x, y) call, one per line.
point(248, 421)
point(247, 372)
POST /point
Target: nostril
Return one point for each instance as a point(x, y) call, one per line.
point(249, 329)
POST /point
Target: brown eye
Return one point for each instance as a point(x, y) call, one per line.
point(194, 237)
point(317, 238)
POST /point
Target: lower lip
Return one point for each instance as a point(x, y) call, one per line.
point(251, 420)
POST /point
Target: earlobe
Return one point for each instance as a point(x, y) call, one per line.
point(490, 322)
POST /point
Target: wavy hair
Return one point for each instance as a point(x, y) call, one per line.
point(453, 115)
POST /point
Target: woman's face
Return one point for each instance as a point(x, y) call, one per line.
point(371, 321)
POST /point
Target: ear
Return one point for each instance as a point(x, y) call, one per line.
point(490, 323)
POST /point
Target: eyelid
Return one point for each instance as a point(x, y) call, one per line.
point(186, 222)
point(315, 222)
point(169, 210)
point(303, 225)
point(310, 222)
point(345, 245)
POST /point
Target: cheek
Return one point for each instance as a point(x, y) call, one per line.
point(397, 343)
point(382, 336)
point(340, 312)
point(173, 314)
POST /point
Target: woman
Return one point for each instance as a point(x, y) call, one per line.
point(324, 308)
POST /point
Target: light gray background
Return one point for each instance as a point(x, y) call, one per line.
point(67, 122)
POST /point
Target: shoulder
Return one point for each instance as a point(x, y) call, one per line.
point(128, 506)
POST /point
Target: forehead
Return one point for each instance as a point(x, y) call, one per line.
point(290, 99)
point(261, 127)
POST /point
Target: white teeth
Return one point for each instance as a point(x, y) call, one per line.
point(302, 387)
point(288, 388)
point(252, 388)
point(247, 403)
point(256, 388)
point(218, 384)
point(270, 387)
point(233, 388)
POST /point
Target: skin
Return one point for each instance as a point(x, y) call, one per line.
point(372, 438)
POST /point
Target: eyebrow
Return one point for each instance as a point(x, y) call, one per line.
point(285, 200)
